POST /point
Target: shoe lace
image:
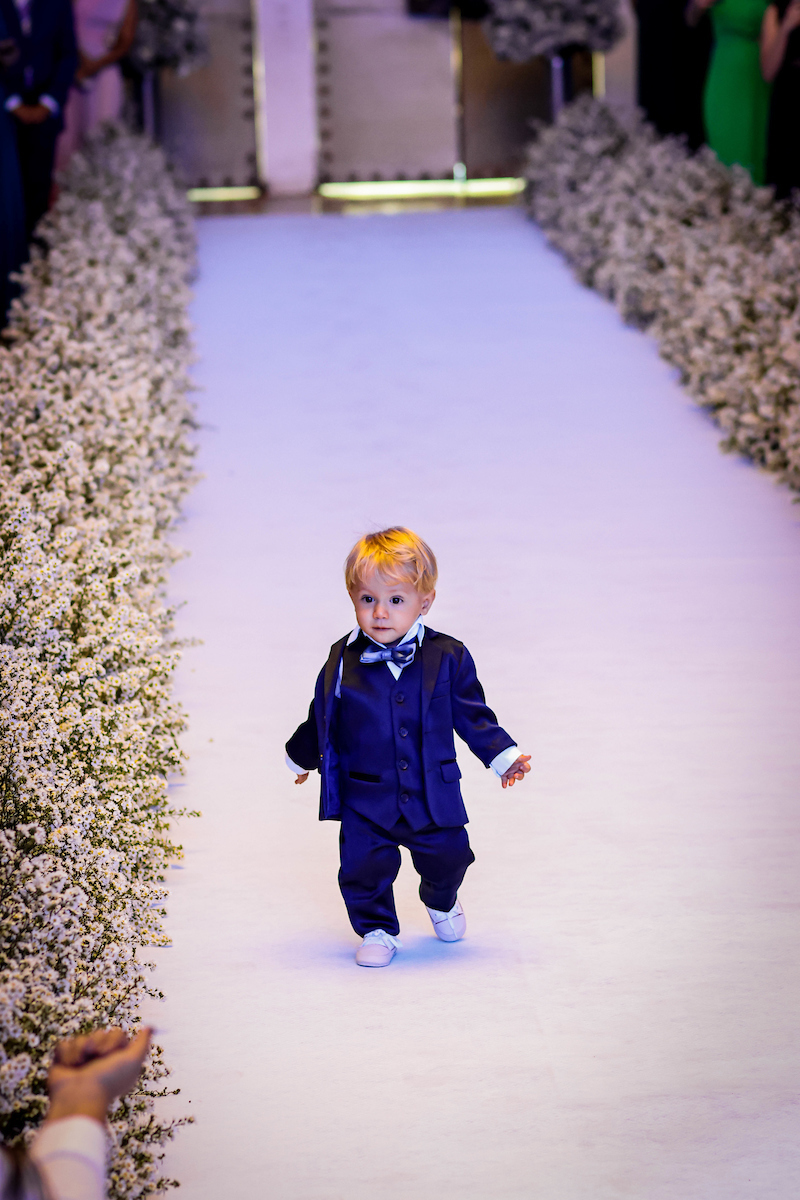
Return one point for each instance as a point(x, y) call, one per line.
point(386, 939)
point(439, 917)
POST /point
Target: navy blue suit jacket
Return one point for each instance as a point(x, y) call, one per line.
point(48, 57)
point(452, 700)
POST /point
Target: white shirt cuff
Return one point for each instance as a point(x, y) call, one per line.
point(71, 1157)
point(294, 767)
point(49, 102)
point(504, 760)
point(13, 102)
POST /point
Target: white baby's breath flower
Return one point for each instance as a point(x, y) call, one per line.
point(692, 251)
point(95, 457)
point(522, 29)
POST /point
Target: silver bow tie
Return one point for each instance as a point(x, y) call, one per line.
point(401, 655)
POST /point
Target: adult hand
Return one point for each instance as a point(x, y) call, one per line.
point(31, 114)
point(301, 778)
point(89, 67)
point(791, 18)
point(695, 9)
point(517, 770)
point(90, 1072)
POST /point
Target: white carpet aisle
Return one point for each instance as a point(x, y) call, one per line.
point(622, 1018)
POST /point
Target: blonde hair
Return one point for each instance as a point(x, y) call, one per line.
point(396, 553)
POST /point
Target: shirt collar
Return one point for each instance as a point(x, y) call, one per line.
point(417, 631)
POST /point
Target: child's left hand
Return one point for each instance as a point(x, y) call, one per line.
point(517, 770)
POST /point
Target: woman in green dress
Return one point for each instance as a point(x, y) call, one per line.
point(736, 99)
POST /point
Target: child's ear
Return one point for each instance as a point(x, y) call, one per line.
point(427, 601)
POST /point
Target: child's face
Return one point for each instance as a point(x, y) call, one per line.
point(386, 609)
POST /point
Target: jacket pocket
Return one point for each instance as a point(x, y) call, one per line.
point(364, 778)
point(451, 772)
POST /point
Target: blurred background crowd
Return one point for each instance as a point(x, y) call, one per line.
point(64, 65)
point(721, 72)
point(60, 77)
point(726, 72)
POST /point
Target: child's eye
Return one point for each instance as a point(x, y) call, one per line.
point(366, 599)
point(397, 599)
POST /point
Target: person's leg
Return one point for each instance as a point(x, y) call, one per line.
point(441, 856)
point(37, 147)
point(370, 861)
point(72, 134)
point(105, 99)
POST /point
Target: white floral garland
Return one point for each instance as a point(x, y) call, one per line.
point(518, 30)
point(168, 34)
point(691, 250)
point(95, 456)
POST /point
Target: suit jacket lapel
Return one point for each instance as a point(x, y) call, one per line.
point(331, 673)
point(431, 653)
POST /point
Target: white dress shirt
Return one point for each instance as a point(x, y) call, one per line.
point(499, 764)
point(70, 1156)
point(23, 7)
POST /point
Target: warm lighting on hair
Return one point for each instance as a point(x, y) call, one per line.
point(396, 553)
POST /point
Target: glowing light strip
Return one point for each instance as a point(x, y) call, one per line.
point(223, 193)
point(598, 74)
point(404, 189)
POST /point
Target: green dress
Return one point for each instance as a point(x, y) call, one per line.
point(736, 101)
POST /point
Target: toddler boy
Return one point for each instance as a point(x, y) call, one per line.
point(380, 732)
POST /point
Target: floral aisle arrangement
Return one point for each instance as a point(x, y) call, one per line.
point(519, 30)
point(168, 34)
point(692, 251)
point(95, 455)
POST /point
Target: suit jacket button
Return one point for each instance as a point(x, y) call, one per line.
point(403, 731)
point(403, 765)
point(399, 697)
point(404, 797)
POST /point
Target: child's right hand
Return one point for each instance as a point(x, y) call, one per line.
point(517, 770)
point(301, 778)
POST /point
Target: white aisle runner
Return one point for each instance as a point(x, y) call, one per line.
point(621, 1020)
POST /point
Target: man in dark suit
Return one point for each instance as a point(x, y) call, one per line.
point(380, 731)
point(36, 88)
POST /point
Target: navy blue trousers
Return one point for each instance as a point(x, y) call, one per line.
point(36, 147)
point(371, 859)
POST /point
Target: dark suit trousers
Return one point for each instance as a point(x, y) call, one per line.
point(371, 859)
point(36, 147)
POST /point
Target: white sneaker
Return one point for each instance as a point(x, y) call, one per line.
point(377, 949)
point(449, 926)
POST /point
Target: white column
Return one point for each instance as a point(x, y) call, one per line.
point(285, 95)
